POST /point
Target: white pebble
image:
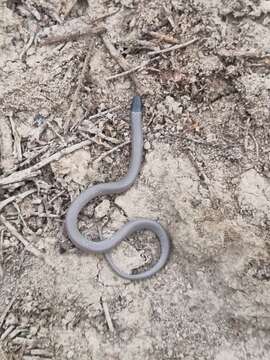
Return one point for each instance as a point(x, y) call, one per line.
point(102, 209)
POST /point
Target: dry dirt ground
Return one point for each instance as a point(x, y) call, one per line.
point(205, 178)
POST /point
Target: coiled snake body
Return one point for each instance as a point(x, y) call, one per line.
point(105, 246)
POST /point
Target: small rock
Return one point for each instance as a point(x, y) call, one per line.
point(70, 354)
point(39, 231)
point(147, 145)
point(102, 209)
point(173, 106)
point(211, 138)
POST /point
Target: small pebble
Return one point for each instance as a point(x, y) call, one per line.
point(70, 354)
point(147, 145)
point(102, 209)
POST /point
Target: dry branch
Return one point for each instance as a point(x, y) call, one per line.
point(29, 247)
point(33, 170)
point(18, 197)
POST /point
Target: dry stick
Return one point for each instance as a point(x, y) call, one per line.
point(72, 36)
point(101, 157)
point(2, 353)
point(172, 48)
point(102, 17)
point(4, 315)
point(136, 68)
point(33, 170)
point(256, 146)
point(18, 197)
point(17, 138)
point(27, 46)
point(80, 82)
point(70, 7)
point(107, 315)
point(7, 160)
point(162, 37)
point(96, 131)
point(115, 54)
point(1, 253)
point(124, 73)
point(29, 247)
point(96, 116)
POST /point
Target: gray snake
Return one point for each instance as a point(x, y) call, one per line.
point(105, 246)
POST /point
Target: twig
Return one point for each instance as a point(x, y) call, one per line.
point(79, 86)
point(8, 308)
point(256, 146)
point(107, 315)
point(124, 73)
point(199, 169)
point(22, 219)
point(244, 54)
point(6, 150)
point(246, 134)
point(132, 70)
point(172, 48)
point(2, 353)
point(33, 170)
point(70, 7)
point(115, 54)
point(96, 116)
point(18, 197)
point(101, 157)
point(94, 130)
point(17, 138)
point(28, 45)
point(51, 127)
point(36, 153)
point(162, 37)
point(102, 17)
point(57, 196)
point(29, 247)
point(72, 36)
point(102, 113)
point(1, 252)
point(7, 332)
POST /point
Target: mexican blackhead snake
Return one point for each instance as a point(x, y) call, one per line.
point(105, 246)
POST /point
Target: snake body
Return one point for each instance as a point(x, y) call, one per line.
point(122, 185)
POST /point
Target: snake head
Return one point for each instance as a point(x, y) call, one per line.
point(136, 105)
